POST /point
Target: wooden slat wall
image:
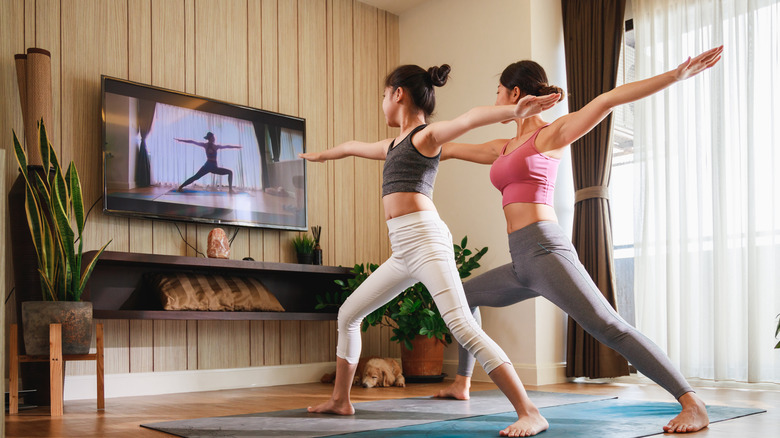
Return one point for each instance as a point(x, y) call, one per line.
point(323, 60)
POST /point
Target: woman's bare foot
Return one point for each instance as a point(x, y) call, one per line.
point(333, 407)
point(528, 425)
point(459, 389)
point(692, 418)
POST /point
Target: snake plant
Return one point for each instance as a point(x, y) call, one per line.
point(53, 205)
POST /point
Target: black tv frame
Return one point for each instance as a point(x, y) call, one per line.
point(191, 101)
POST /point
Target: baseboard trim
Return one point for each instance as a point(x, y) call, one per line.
point(530, 374)
point(170, 382)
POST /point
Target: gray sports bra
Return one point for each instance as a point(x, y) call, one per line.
point(407, 170)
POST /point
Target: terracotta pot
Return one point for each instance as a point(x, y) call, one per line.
point(76, 320)
point(426, 358)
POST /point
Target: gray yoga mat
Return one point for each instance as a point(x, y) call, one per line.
point(614, 418)
point(383, 414)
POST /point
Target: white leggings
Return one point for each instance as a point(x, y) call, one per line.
point(422, 251)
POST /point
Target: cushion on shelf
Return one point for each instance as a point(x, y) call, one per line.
point(189, 291)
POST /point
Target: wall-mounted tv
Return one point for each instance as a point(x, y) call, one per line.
point(176, 156)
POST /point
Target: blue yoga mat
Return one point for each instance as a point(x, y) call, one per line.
point(615, 418)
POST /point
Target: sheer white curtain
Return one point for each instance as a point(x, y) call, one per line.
point(708, 216)
point(291, 144)
point(172, 162)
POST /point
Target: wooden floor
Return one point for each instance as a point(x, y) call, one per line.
point(123, 415)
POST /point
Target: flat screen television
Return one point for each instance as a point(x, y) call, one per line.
point(176, 156)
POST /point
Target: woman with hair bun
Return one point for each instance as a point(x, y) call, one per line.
point(420, 241)
point(544, 262)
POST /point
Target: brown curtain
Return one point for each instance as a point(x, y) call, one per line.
point(592, 31)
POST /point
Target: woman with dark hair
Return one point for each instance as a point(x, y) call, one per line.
point(210, 166)
point(544, 262)
point(420, 241)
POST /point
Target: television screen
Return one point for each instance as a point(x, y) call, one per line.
point(176, 156)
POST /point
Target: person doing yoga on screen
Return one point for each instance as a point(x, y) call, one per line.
point(422, 249)
point(544, 261)
point(210, 166)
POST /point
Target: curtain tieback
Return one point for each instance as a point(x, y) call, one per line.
point(591, 192)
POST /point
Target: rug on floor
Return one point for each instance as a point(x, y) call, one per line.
point(614, 418)
point(369, 416)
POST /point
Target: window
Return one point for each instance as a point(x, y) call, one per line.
point(621, 186)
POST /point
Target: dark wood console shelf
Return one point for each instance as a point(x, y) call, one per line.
point(117, 290)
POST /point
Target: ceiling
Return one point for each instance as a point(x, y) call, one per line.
point(396, 7)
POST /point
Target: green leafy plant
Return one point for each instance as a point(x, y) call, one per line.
point(411, 313)
point(303, 244)
point(53, 205)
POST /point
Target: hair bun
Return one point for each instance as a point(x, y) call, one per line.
point(545, 89)
point(439, 75)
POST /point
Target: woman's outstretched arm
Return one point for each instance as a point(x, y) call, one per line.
point(429, 140)
point(571, 127)
point(373, 151)
point(485, 153)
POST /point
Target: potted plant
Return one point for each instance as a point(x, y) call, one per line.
point(304, 248)
point(54, 206)
point(413, 317)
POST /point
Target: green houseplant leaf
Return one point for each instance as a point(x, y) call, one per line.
point(53, 202)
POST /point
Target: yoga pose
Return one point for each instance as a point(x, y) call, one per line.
point(420, 241)
point(544, 262)
point(211, 165)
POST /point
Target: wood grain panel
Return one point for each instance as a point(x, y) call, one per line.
point(313, 104)
point(139, 41)
point(367, 101)
point(29, 23)
point(290, 352)
point(343, 130)
point(223, 344)
point(166, 239)
point(47, 36)
point(116, 334)
point(192, 345)
point(272, 348)
point(170, 345)
point(256, 343)
point(189, 45)
point(141, 346)
point(168, 50)
point(315, 341)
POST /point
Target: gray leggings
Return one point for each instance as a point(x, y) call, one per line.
point(545, 263)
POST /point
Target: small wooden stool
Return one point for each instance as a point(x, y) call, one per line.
point(56, 367)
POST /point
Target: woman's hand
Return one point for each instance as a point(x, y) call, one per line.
point(312, 156)
point(532, 105)
point(692, 67)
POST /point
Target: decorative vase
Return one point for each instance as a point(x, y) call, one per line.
point(317, 254)
point(425, 359)
point(305, 258)
point(76, 320)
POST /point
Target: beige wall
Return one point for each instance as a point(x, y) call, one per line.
point(321, 60)
point(479, 39)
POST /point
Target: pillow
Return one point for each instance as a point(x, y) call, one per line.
point(188, 291)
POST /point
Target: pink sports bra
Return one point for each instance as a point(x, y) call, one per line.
point(525, 174)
